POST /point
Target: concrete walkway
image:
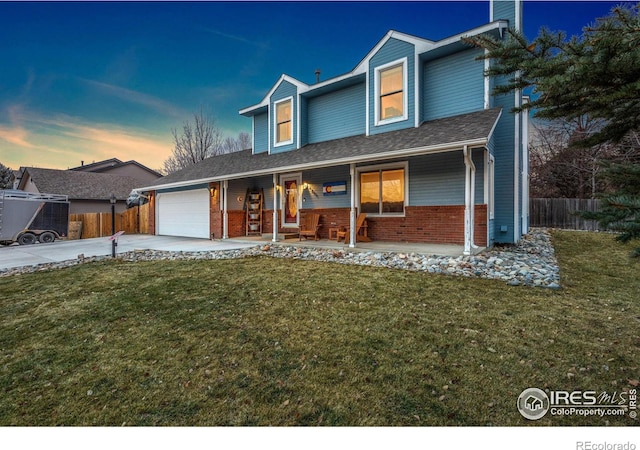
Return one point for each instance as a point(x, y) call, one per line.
point(29, 255)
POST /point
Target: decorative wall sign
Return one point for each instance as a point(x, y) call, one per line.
point(334, 188)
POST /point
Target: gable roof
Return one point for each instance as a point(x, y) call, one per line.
point(80, 185)
point(421, 45)
point(452, 133)
point(425, 48)
point(97, 165)
point(112, 163)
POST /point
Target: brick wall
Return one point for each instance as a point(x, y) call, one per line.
point(237, 220)
point(236, 224)
point(328, 217)
point(215, 220)
point(480, 229)
point(267, 220)
point(152, 213)
point(427, 224)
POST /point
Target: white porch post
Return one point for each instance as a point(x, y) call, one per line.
point(469, 201)
point(225, 214)
point(275, 208)
point(525, 169)
point(352, 213)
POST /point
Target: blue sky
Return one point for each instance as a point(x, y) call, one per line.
point(87, 81)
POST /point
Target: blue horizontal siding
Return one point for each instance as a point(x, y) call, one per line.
point(491, 145)
point(392, 50)
point(313, 198)
point(505, 10)
point(337, 114)
point(436, 180)
point(503, 146)
point(504, 152)
point(304, 121)
point(452, 85)
point(478, 161)
point(283, 91)
point(238, 188)
point(491, 222)
point(261, 133)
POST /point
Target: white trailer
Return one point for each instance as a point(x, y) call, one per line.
point(28, 218)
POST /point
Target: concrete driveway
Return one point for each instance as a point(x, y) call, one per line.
point(28, 255)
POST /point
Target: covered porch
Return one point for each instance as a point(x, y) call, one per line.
point(428, 198)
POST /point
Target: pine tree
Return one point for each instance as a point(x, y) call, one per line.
point(620, 212)
point(596, 75)
point(6, 177)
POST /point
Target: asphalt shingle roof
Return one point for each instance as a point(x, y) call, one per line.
point(476, 126)
point(82, 185)
point(110, 164)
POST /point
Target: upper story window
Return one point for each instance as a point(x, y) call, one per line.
point(283, 121)
point(391, 92)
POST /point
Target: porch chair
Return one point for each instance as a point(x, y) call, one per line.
point(360, 225)
point(311, 226)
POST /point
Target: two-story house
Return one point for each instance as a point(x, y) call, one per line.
point(411, 136)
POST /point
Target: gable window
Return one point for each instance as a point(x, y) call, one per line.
point(283, 122)
point(391, 92)
point(382, 190)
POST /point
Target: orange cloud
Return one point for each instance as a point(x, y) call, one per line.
point(15, 136)
point(112, 142)
point(64, 142)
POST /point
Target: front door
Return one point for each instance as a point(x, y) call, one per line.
point(290, 201)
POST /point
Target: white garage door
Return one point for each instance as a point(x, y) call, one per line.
point(184, 213)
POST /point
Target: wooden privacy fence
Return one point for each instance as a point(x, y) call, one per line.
point(560, 213)
point(132, 221)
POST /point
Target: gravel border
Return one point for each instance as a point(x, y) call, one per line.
point(531, 262)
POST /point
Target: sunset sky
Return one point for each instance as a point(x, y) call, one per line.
point(91, 81)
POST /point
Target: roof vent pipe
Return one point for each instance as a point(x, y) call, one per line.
point(317, 75)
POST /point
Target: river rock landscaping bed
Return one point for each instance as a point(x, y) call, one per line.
point(531, 262)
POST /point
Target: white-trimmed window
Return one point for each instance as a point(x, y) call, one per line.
point(283, 123)
point(382, 189)
point(391, 92)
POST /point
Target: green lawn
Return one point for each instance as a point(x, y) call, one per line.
point(265, 341)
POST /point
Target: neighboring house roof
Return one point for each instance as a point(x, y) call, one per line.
point(110, 164)
point(94, 166)
point(80, 185)
point(452, 133)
